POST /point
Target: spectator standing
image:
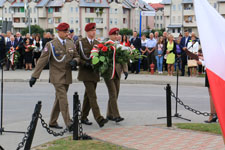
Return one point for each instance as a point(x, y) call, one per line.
point(19, 45)
point(178, 55)
point(171, 50)
point(165, 40)
point(151, 45)
point(28, 54)
point(47, 38)
point(38, 50)
point(125, 41)
point(7, 38)
point(193, 47)
point(183, 45)
point(144, 52)
point(159, 55)
point(10, 45)
point(136, 42)
point(156, 36)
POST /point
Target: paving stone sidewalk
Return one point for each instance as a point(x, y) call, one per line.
point(159, 138)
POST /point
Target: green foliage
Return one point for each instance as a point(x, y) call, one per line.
point(125, 31)
point(34, 29)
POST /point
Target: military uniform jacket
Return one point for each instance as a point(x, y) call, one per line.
point(59, 58)
point(86, 74)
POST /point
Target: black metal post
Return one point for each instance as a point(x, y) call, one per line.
point(1, 128)
point(75, 116)
point(33, 125)
point(168, 105)
point(1, 148)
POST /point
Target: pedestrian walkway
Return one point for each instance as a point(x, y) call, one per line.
point(160, 138)
point(24, 76)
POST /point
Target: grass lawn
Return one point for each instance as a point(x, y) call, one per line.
point(69, 144)
point(211, 127)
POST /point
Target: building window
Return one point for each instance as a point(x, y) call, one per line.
point(71, 9)
point(35, 20)
point(9, 19)
point(116, 10)
point(35, 10)
point(115, 21)
point(9, 10)
point(124, 11)
point(178, 30)
point(189, 30)
point(76, 30)
point(57, 9)
point(71, 20)
point(161, 18)
point(31, 20)
point(77, 9)
point(89, 10)
point(111, 21)
point(77, 20)
point(89, 20)
point(97, 1)
point(160, 26)
point(57, 20)
point(173, 30)
point(215, 5)
point(98, 20)
point(124, 20)
point(6, 10)
point(180, 7)
point(110, 10)
point(157, 17)
point(190, 18)
point(174, 7)
point(50, 10)
point(50, 20)
point(157, 26)
point(23, 20)
point(21, 9)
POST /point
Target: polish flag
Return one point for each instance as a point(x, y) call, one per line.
point(211, 28)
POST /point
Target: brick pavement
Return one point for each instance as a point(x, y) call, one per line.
point(159, 138)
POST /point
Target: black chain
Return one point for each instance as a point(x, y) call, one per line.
point(189, 108)
point(45, 125)
point(29, 128)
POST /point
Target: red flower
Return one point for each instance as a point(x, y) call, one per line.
point(100, 46)
point(112, 48)
point(104, 49)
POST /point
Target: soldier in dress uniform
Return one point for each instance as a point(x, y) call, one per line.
point(61, 55)
point(113, 85)
point(89, 77)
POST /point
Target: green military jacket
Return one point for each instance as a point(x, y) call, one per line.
point(86, 74)
point(58, 57)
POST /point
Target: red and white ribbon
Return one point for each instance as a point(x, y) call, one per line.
point(114, 62)
point(12, 55)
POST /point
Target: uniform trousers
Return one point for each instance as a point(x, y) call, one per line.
point(90, 101)
point(60, 105)
point(113, 86)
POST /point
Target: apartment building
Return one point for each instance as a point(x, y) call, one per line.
point(159, 21)
point(49, 13)
point(180, 16)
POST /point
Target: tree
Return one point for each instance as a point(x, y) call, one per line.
point(126, 31)
point(33, 29)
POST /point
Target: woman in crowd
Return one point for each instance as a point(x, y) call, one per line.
point(178, 54)
point(170, 54)
point(144, 52)
point(193, 47)
point(28, 55)
point(125, 41)
point(159, 55)
point(37, 51)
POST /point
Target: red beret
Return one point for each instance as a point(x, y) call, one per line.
point(114, 31)
point(63, 26)
point(90, 26)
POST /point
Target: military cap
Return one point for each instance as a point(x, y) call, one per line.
point(90, 26)
point(63, 26)
point(114, 31)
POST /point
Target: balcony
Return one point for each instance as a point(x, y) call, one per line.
point(57, 14)
point(19, 25)
point(189, 12)
point(189, 24)
point(18, 15)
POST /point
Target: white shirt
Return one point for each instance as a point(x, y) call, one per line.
point(61, 40)
point(194, 48)
point(90, 40)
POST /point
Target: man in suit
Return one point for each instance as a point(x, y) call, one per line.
point(183, 45)
point(19, 45)
point(61, 55)
point(2, 49)
point(136, 42)
point(113, 85)
point(89, 77)
point(10, 45)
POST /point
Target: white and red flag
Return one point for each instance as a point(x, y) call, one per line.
point(211, 28)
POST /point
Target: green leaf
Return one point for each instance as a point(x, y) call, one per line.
point(94, 54)
point(95, 60)
point(102, 58)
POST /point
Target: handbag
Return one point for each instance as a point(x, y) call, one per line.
point(165, 56)
point(192, 63)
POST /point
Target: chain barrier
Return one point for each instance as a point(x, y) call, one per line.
point(29, 128)
point(197, 112)
point(1, 148)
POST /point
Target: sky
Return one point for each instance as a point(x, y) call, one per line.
point(152, 1)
